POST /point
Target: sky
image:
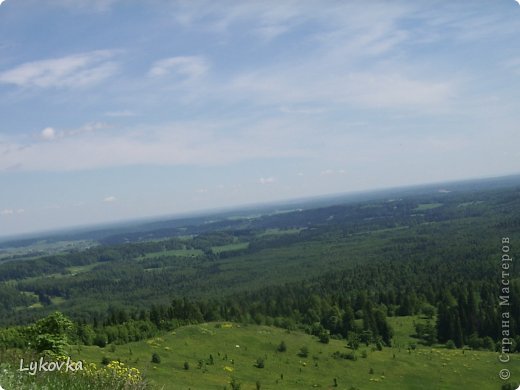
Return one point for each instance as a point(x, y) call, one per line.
point(114, 110)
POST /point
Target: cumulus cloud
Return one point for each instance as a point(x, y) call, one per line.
point(189, 67)
point(110, 199)
point(48, 134)
point(198, 143)
point(79, 70)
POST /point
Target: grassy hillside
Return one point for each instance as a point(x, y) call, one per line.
point(236, 349)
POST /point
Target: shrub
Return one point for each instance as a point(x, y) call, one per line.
point(304, 352)
point(259, 363)
point(343, 355)
point(282, 347)
point(186, 365)
point(450, 344)
point(156, 358)
point(234, 384)
point(324, 337)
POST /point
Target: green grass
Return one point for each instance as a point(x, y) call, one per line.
point(175, 252)
point(427, 206)
point(404, 328)
point(81, 268)
point(393, 368)
point(277, 232)
point(230, 247)
point(473, 203)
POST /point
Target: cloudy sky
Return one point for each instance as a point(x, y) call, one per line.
point(111, 110)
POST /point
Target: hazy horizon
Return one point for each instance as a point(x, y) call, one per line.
point(108, 224)
point(123, 110)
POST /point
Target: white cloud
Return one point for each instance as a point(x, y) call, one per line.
point(197, 143)
point(79, 70)
point(201, 191)
point(48, 134)
point(266, 180)
point(190, 67)
point(365, 89)
point(110, 199)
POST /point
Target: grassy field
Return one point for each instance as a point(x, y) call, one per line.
point(236, 348)
point(230, 247)
point(276, 232)
point(175, 252)
point(427, 206)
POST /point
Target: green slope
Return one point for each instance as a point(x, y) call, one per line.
point(235, 350)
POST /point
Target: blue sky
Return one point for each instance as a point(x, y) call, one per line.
point(113, 110)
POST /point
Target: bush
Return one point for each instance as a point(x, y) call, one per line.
point(343, 355)
point(324, 337)
point(156, 358)
point(282, 347)
point(186, 365)
point(259, 363)
point(100, 340)
point(304, 352)
point(488, 343)
point(234, 384)
point(450, 344)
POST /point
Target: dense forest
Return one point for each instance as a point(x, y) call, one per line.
point(335, 271)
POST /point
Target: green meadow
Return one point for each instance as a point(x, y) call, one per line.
point(209, 356)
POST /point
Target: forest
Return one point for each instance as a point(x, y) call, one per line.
point(336, 272)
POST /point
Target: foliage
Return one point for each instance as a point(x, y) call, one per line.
point(304, 352)
point(156, 358)
point(115, 376)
